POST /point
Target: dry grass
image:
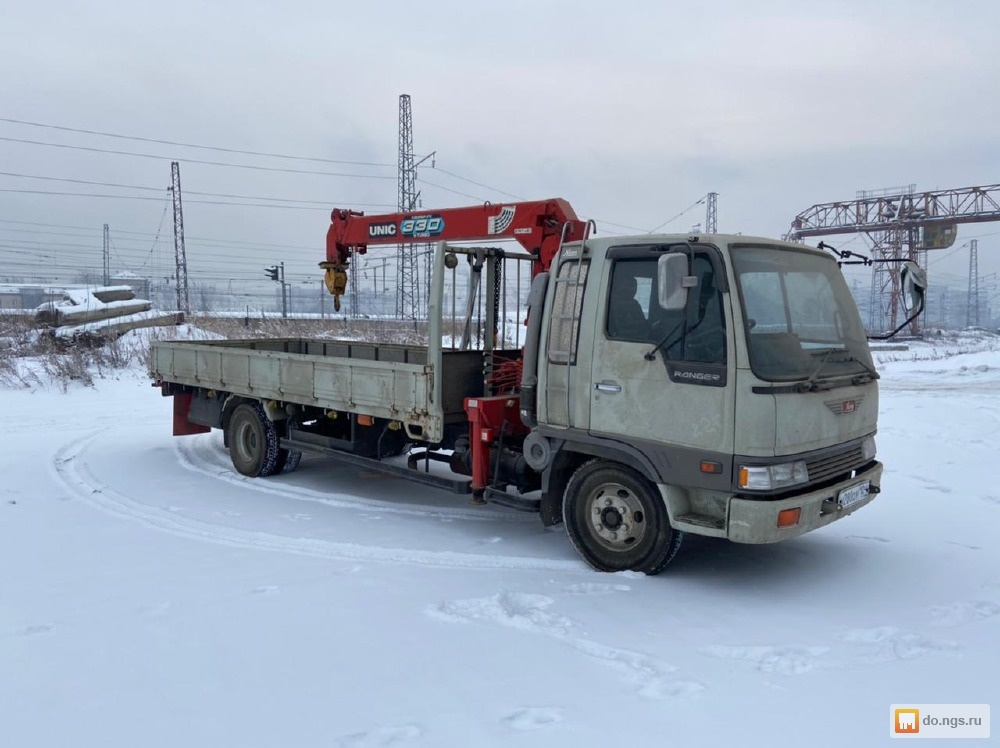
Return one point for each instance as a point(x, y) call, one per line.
point(407, 332)
point(29, 356)
point(387, 330)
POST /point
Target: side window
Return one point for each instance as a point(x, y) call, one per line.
point(630, 300)
point(698, 334)
point(567, 301)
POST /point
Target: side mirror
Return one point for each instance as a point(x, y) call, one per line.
point(673, 281)
point(913, 280)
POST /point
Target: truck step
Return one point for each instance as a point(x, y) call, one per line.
point(702, 520)
point(460, 486)
point(512, 501)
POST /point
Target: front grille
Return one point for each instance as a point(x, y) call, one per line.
point(833, 464)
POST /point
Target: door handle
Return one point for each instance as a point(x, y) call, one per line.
point(607, 386)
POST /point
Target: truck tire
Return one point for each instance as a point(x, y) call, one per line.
point(288, 460)
point(253, 441)
point(617, 520)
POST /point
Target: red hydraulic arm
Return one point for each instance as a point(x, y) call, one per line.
point(538, 226)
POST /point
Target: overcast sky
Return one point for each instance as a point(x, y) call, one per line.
point(632, 111)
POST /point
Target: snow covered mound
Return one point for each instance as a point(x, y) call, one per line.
point(943, 361)
point(83, 305)
point(935, 345)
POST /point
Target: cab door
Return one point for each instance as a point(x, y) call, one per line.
point(659, 379)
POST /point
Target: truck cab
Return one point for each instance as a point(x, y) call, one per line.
point(750, 403)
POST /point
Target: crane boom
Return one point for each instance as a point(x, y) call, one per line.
point(539, 226)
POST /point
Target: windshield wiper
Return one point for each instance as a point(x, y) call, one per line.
point(870, 370)
point(810, 383)
point(850, 357)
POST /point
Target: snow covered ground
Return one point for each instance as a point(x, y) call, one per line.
point(151, 597)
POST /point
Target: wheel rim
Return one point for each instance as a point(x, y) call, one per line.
point(246, 442)
point(615, 517)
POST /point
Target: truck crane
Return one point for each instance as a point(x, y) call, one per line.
point(718, 385)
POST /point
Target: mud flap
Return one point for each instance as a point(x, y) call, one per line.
point(550, 510)
point(182, 426)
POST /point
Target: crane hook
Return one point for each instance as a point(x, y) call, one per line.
point(335, 280)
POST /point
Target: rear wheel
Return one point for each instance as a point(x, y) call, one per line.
point(617, 519)
point(253, 441)
point(288, 460)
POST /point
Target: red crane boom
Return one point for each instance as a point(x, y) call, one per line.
point(539, 226)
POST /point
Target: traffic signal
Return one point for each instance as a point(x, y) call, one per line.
point(272, 272)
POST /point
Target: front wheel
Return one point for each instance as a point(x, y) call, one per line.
point(617, 519)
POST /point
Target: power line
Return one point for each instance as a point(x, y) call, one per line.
point(224, 149)
point(156, 199)
point(149, 254)
point(674, 218)
point(194, 160)
point(520, 197)
point(478, 184)
point(241, 243)
point(190, 192)
point(123, 242)
point(619, 225)
point(449, 189)
point(509, 194)
point(222, 255)
point(945, 257)
point(193, 145)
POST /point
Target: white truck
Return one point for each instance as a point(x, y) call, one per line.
point(667, 384)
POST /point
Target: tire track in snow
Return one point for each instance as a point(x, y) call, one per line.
point(862, 647)
point(192, 457)
point(72, 471)
point(651, 678)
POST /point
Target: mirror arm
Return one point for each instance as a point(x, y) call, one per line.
point(896, 331)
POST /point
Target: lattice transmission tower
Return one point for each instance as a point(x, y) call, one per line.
point(972, 310)
point(712, 213)
point(406, 255)
point(180, 257)
point(107, 255)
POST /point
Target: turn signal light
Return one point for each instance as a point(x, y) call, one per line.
point(789, 517)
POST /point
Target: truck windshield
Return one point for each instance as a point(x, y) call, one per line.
point(801, 321)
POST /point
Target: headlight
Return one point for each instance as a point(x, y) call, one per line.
point(868, 447)
point(770, 477)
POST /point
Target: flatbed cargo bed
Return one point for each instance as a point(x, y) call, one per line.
point(422, 387)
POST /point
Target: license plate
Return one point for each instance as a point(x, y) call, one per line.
point(854, 494)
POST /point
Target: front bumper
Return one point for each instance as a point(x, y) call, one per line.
point(756, 521)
